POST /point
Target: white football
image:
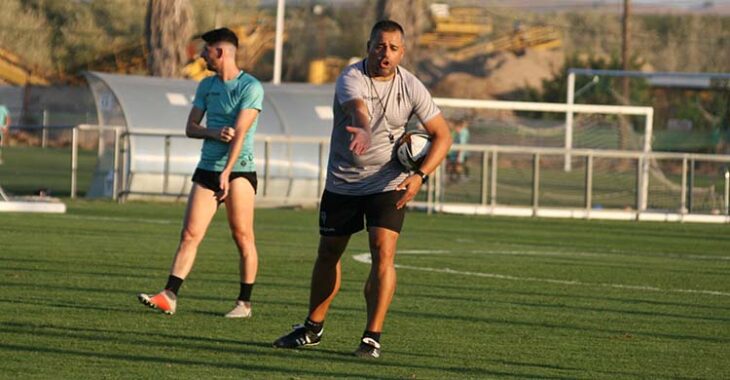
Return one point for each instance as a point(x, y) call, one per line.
point(412, 148)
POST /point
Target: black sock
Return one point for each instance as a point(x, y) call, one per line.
point(174, 284)
point(371, 334)
point(315, 327)
point(245, 293)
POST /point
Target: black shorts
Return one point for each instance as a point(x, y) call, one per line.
point(341, 215)
point(211, 180)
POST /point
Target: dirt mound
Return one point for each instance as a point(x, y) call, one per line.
point(503, 74)
point(463, 85)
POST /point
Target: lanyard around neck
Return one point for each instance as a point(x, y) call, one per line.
point(383, 104)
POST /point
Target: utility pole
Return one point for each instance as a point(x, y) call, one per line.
point(624, 126)
point(625, 47)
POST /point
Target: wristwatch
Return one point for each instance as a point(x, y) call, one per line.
point(424, 176)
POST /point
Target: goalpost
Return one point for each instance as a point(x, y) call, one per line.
point(657, 80)
point(570, 109)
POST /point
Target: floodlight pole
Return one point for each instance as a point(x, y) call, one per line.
point(569, 120)
point(279, 42)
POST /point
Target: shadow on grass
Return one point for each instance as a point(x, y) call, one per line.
point(229, 346)
point(434, 316)
point(161, 360)
point(132, 294)
point(254, 349)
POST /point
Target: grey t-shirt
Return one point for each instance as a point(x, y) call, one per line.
point(377, 170)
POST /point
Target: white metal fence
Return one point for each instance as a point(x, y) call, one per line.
point(617, 178)
point(503, 180)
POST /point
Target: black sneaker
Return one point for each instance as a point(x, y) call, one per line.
point(369, 348)
point(300, 336)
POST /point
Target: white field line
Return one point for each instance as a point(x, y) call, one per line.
point(123, 219)
point(175, 221)
point(580, 254)
point(365, 258)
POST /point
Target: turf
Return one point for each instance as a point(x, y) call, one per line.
point(478, 297)
point(26, 170)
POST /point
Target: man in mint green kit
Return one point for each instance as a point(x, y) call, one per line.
point(4, 125)
point(226, 173)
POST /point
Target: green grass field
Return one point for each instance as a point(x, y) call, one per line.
point(477, 297)
point(25, 170)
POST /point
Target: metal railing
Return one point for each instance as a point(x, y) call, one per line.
point(489, 200)
point(489, 181)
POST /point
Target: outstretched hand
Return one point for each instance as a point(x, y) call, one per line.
point(360, 140)
point(411, 185)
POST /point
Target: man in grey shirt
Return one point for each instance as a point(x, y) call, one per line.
point(374, 99)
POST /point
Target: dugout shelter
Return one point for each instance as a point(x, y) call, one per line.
point(146, 154)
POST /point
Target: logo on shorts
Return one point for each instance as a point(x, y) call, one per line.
point(323, 217)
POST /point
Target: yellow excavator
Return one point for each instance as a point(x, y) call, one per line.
point(456, 27)
point(254, 41)
point(14, 73)
point(536, 37)
point(466, 32)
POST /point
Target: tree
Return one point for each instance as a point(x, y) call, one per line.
point(26, 32)
point(168, 28)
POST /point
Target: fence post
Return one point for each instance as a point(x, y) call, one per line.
point(267, 158)
point(535, 183)
point(125, 160)
point(44, 130)
point(493, 181)
point(115, 178)
point(166, 168)
point(645, 162)
point(438, 188)
point(74, 159)
point(639, 185)
point(691, 185)
point(727, 191)
point(588, 195)
point(683, 194)
point(485, 177)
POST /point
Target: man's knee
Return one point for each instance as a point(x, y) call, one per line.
point(383, 259)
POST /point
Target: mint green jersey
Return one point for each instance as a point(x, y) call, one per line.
point(3, 117)
point(222, 101)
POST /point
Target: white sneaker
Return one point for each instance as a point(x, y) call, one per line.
point(242, 310)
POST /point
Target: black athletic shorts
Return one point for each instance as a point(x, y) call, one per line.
point(341, 215)
point(211, 180)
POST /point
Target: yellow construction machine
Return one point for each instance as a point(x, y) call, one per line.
point(456, 27)
point(536, 37)
point(13, 72)
point(466, 32)
point(254, 40)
